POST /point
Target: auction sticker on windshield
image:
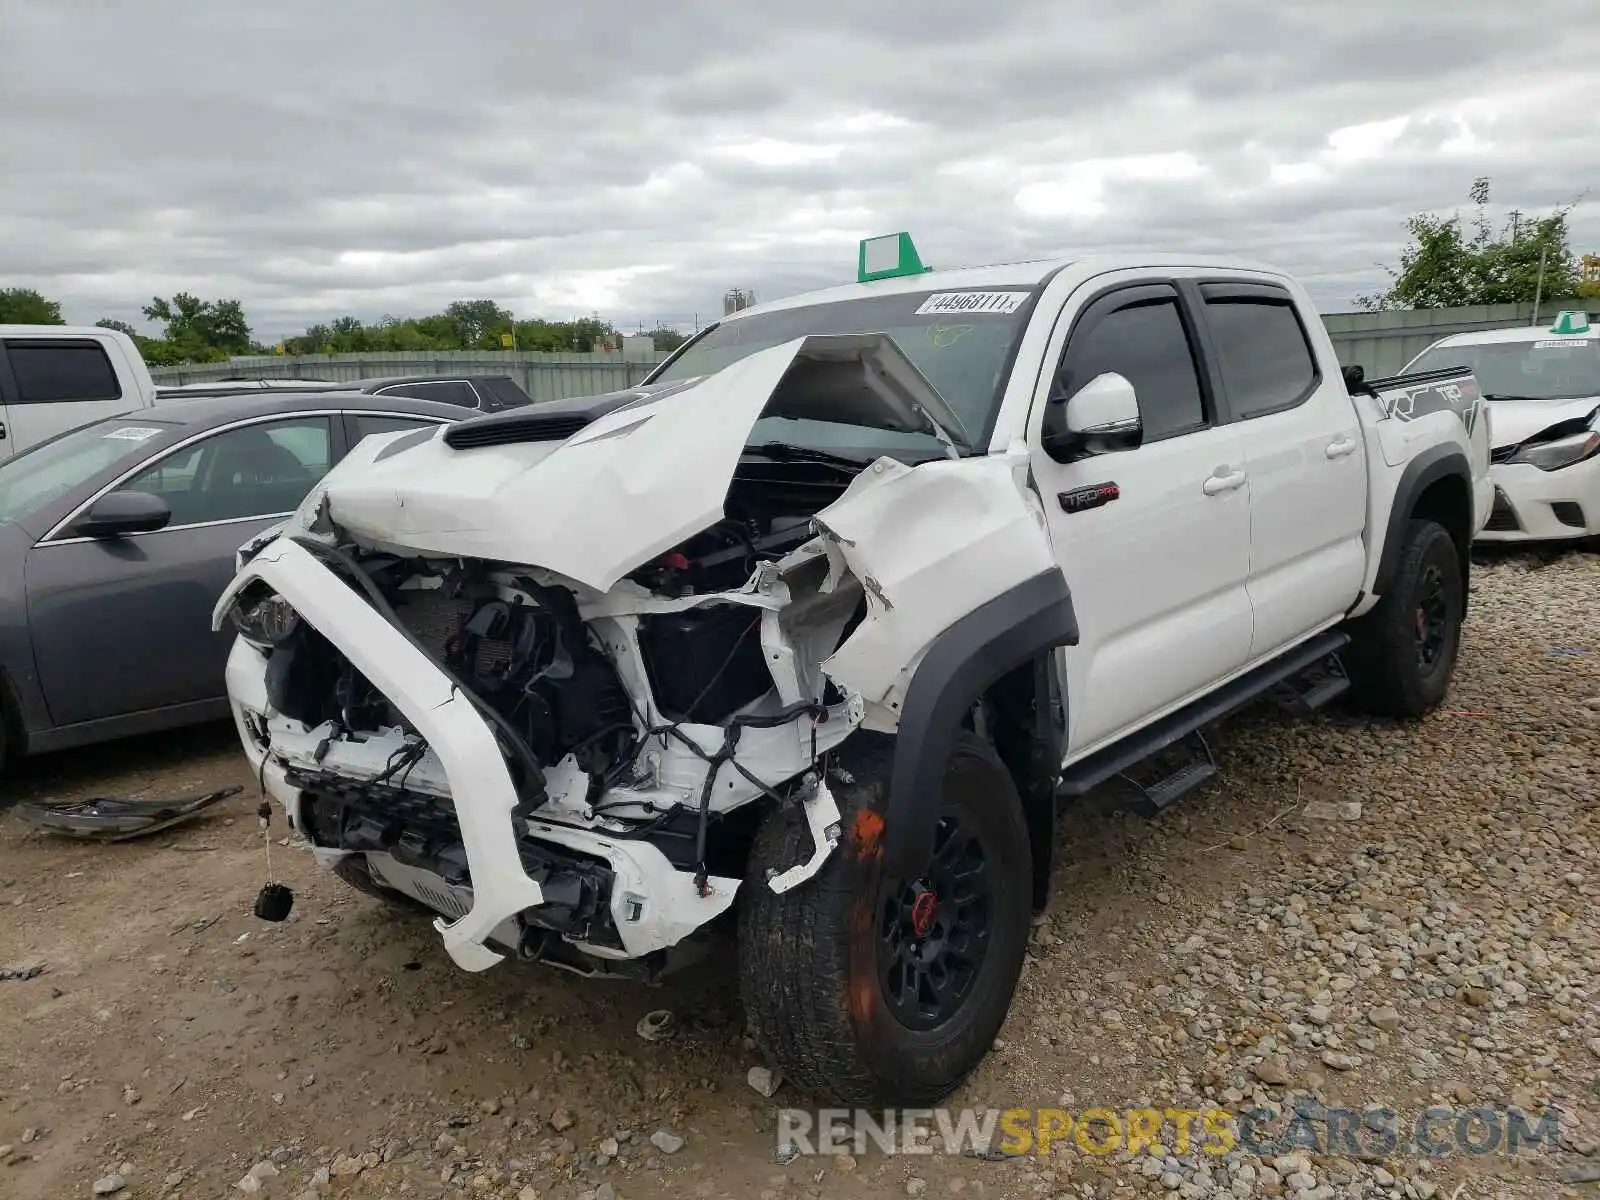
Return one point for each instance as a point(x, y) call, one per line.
point(968, 303)
point(133, 433)
point(1560, 344)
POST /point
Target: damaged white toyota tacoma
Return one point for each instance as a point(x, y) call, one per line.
point(814, 634)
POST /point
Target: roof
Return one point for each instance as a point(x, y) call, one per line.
point(1521, 333)
point(386, 380)
point(219, 410)
point(1018, 274)
point(60, 331)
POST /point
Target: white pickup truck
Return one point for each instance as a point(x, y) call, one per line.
point(57, 377)
point(815, 632)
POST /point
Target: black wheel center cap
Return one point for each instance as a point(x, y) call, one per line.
point(923, 910)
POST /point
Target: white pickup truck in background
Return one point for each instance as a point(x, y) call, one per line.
point(57, 377)
point(820, 628)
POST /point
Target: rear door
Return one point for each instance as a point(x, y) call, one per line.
point(1302, 448)
point(123, 625)
point(56, 384)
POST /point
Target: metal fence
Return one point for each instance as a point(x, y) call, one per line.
point(1382, 342)
point(542, 376)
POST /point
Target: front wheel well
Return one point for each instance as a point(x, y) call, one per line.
point(1023, 714)
point(1448, 501)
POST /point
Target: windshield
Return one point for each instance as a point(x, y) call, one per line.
point(43, 474)
point(1548, 369)
point(965, 354)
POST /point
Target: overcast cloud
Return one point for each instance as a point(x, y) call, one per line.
point(322, 157)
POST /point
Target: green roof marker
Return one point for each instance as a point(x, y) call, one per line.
point(888, 257)
point(1572, 321)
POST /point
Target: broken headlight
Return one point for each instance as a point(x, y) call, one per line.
point(1563, 452)
point(263, 618)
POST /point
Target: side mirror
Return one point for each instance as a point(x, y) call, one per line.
point(1099, 418)
point(118, 514)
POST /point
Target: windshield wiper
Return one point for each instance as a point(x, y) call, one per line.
point(1510, 396)
point(789, 452)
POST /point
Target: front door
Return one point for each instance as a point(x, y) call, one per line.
point(122, 625)
point(1158, 574)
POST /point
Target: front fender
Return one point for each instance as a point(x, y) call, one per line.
point(1016, 627)
point(962, 586)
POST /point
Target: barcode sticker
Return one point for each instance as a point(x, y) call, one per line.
point(971, 303)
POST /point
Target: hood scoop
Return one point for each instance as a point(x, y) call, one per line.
point(550, 420)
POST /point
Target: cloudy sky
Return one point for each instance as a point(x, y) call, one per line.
point(320, 157)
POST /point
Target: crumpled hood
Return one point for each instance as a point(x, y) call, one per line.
point(631, 484)
point(1515, 421)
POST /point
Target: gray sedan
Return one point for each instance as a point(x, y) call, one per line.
point(117, 538)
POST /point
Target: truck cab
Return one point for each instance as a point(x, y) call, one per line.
point(57, 377)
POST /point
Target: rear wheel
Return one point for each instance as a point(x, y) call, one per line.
point(872, 989)
point(1403, 653)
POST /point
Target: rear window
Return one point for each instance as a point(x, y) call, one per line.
point(52, 372)
point(459, 393)
point(1266, 361)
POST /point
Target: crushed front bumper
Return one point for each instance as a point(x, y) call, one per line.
point(652, 904)
point(1533, 505)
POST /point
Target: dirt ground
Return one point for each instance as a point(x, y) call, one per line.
point(1257, 943)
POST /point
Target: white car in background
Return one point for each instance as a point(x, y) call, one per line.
point(1543, 385)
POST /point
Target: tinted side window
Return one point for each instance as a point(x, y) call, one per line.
point(1146, 343)
point(454, 392)
point(1262, 350)
point(366, 424)
point(255, 471)
point(47, 372)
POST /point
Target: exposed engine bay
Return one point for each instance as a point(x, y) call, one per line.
point(563, 763)
point(652, 714)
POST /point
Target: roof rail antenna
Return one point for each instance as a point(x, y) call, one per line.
point(888, 256)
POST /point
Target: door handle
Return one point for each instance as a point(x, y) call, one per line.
point(1340, 446)
point(1223, 480)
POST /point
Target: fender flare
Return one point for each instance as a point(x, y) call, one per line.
point(1015, 627)
point(1422, 472)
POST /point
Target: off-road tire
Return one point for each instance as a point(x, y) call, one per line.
point(809, 960)
point(1388, 675)
point(352, 868)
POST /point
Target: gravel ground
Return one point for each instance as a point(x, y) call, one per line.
point(1354, 914)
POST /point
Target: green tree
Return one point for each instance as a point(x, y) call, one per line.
point(1449, 263)
point(479, 323)
point(202, 330)
point(666, 338)
point(24, 306)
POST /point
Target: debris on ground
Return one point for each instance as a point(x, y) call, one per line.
point(21, 971)
point(113, 819)
point(765, 1080)
point(656, 1026)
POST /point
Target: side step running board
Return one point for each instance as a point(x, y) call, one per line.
point(1161, 795)
point(1090, 772)
point(1308, 695)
